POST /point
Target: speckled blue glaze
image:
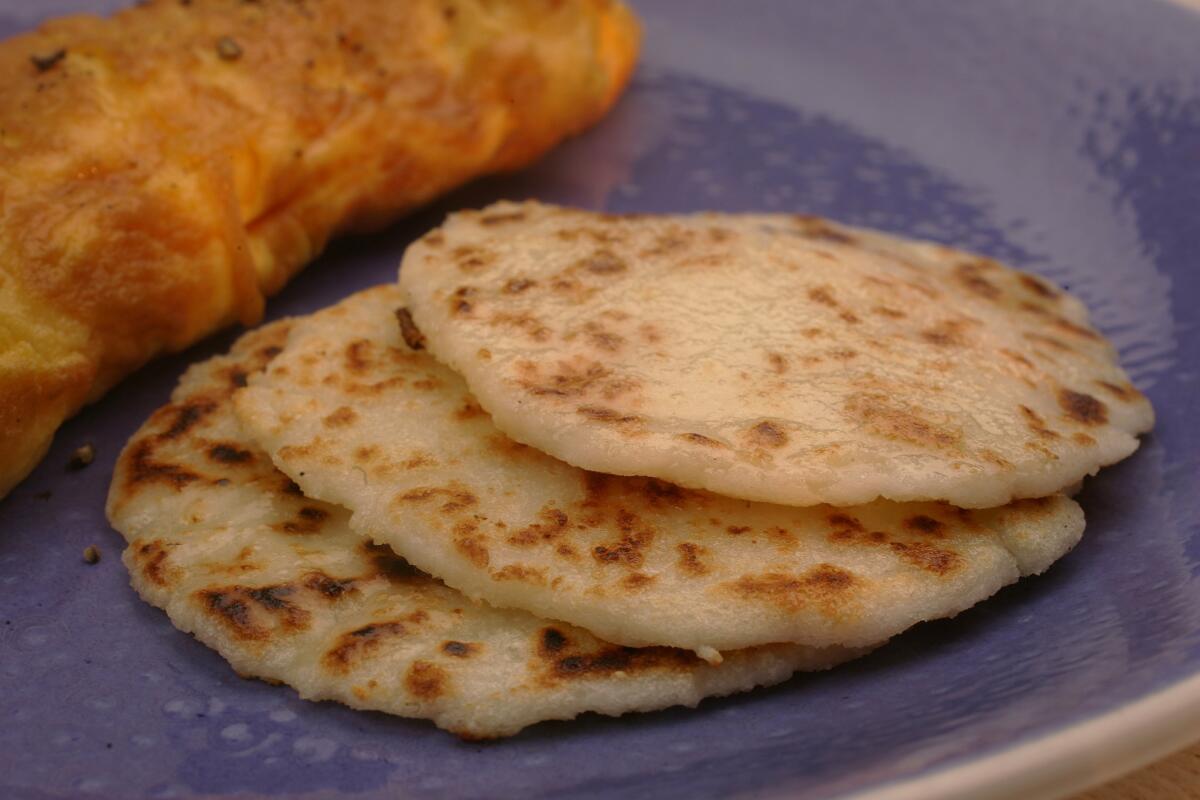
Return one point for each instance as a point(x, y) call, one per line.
point(1061, 136)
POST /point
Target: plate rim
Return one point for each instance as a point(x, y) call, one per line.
point(1062, 760)
point(1088, 753)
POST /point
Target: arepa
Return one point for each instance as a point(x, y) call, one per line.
point(281, 587)
point(785, 359)
point(357, 417)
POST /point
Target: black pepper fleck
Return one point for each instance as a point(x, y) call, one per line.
point(47, 61)
point(228, 48)
point(82, 457)
point(409, 330)
point(91, 555)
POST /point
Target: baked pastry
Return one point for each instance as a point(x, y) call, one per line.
point(283, 588)
point(358, 418)
point(165, 169)
point(779, 358)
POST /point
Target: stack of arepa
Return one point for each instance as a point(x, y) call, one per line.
point(581, 462)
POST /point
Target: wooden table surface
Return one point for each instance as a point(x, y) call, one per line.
point(1173, 778)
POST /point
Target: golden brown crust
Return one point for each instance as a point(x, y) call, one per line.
point(179, 162)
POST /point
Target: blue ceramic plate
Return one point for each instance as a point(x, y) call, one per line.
point(1061, 136)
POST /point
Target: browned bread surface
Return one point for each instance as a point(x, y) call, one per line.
point(164, 170)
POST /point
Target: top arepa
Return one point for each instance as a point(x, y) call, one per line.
point(779, 358)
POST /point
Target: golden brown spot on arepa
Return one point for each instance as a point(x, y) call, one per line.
point(842, 521)
point(472, 259)
point(767, 434)
point(604, 262)
point(457, 649)
point(469, 410)
point(456, 497)
point(691, 558)
point(1066, 325)
point(255, 613)
point(340, 418)
point(637, 580)
point(229, 454)
point(822, 230)
point(151, 559)
point(520, 573)
point(359, 356)
point(878, 414)
point(1050, 341)
point(937, 560)
point(426, 681)
point(518, 285)
point(608, 416)
point(501, 218)
point(551, 525)
point(970, 275)
point(460, 301)
point(566, 664)
point(1035, 423)
point(824, 585)
point(949, 333)
point(522, 321)
point(389, 566)
point(308, 520)
point(700, 439)
point(1082, 408)
point(1126, 393)
point(626, 551)
point(551, 641)
point(777, 362)
point(1037, 287)
point(328, 587)
point(926, 525)
point(474, 549)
